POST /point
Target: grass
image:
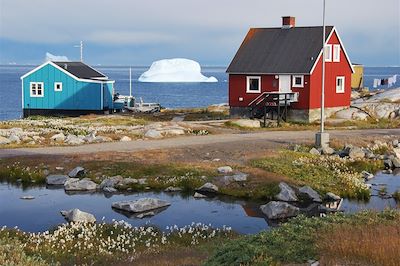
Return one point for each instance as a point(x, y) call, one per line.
point(396, 195)
point(109, 244)
point(322, 173)
point(303, 239)
point(360, 245)
point(17, 173)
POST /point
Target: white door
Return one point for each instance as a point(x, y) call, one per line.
point(284, 83)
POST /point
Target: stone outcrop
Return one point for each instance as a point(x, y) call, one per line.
point(279, 210)
point(76, 215)
point(56, 180)
point(141, 205)
point(286, 193)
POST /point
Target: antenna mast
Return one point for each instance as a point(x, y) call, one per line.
point(130, 81)
point(81, 48)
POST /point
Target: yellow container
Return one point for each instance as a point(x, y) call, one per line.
point(357, 78)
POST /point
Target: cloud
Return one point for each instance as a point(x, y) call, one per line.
point(130, 37)
point(55, 58)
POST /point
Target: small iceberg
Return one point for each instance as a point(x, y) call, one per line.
point(175, 70)
point(55, 58)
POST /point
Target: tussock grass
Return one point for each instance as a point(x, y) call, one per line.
point(360, 245)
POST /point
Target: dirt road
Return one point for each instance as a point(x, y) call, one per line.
point(271, 138)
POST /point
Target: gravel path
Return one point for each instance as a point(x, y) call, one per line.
point(281, 137)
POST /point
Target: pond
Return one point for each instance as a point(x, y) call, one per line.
point(43, 212)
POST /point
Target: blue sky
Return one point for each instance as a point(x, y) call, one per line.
point(132, 32)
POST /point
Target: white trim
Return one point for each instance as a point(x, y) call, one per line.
point(294, 85)
point(343, 48)
point(336, 53)
point(55, 86)
point(248, 84)
point(328, 52)
point(102, 96)
point(36, 95)
point(66, 72)
point(343, 84)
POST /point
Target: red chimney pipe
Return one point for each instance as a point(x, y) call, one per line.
point(288, 22)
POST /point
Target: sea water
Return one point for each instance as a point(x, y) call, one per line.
point(169, 95)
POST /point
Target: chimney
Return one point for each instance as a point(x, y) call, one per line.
point(288, 22)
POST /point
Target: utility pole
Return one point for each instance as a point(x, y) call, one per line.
point(322, 138)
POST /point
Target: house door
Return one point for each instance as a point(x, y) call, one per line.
point(284, 83)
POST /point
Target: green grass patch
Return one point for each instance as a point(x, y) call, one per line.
point(17, 173)
point(323, 173)
point(292, 242)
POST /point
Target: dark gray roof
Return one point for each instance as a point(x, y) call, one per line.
point(81, 70)
point(277, 50)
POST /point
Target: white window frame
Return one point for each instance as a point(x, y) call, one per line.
point(55, 86)
point(31, 84)
point(294, 85)
point(338, 89)
point(336, 53)
point(328, 53)
point(248, 84)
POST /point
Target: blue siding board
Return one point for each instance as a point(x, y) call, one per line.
point(75, 95)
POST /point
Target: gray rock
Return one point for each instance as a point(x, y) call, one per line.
point(367, 175)
point(110, 182)
point(388, 164)
point(141, 205)
point(208, 188)
point(332, 197)
point(125, 138)
point(145, 214)
point(328, 151)
point(396, 152)
point(172, 189)
point(76, 215)
point(103, 139)
point(310, 193)
point(127, 181)
point(279, 210)
point(369, 154)
point(14, 138)
point(199, 196)
point(56, 179)
point(74, 184)
point(314, 151)
point(58, 137)
point(4, 140)
point(73, 140)
point(142, 181)
point(286, 193)
point(356, 153)
point(395, 143)
point(109, 190)
point(238, 177)
point(77, 172)
point(225, 170)
point(153, 134)
point(396, 162)
point(29, 197)
point(91, 137)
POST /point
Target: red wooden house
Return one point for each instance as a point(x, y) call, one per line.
point(287, 62)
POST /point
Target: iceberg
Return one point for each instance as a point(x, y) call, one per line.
point(55, 58)
point(175, 70)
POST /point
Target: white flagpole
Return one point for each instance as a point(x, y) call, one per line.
point(130, 82)
point(323, 72)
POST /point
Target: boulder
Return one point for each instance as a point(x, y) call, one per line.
point(396, 152)
point(140, 205)
point(199, 196)
point(331, 197)
point(54, 180)
point(78, 216)
point(310, 193)
point(246, 123)
point(127, 181)
point(396, 162)
point(327, 151)
point(238, 177)
point(208, 188)
point(77, 172)
point(395, 143)
point(74, 184)
point(110, 182)
point(367, 175)
point(279, 210)
point(91, 137)
point(356, 153)
point(153, 134)
point(4, 140)
point(58, 137)
point(173, 132)
point(73, 140)
point(14, 138)
point(125, 138)
point(314, 151)
point(29, 197)
point(286, 193)
point(172, 189)
point(388, 164)
point(225, 170)
point(142, 181)
point(109, 190)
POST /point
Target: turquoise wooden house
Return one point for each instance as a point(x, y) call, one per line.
point(66, 88)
